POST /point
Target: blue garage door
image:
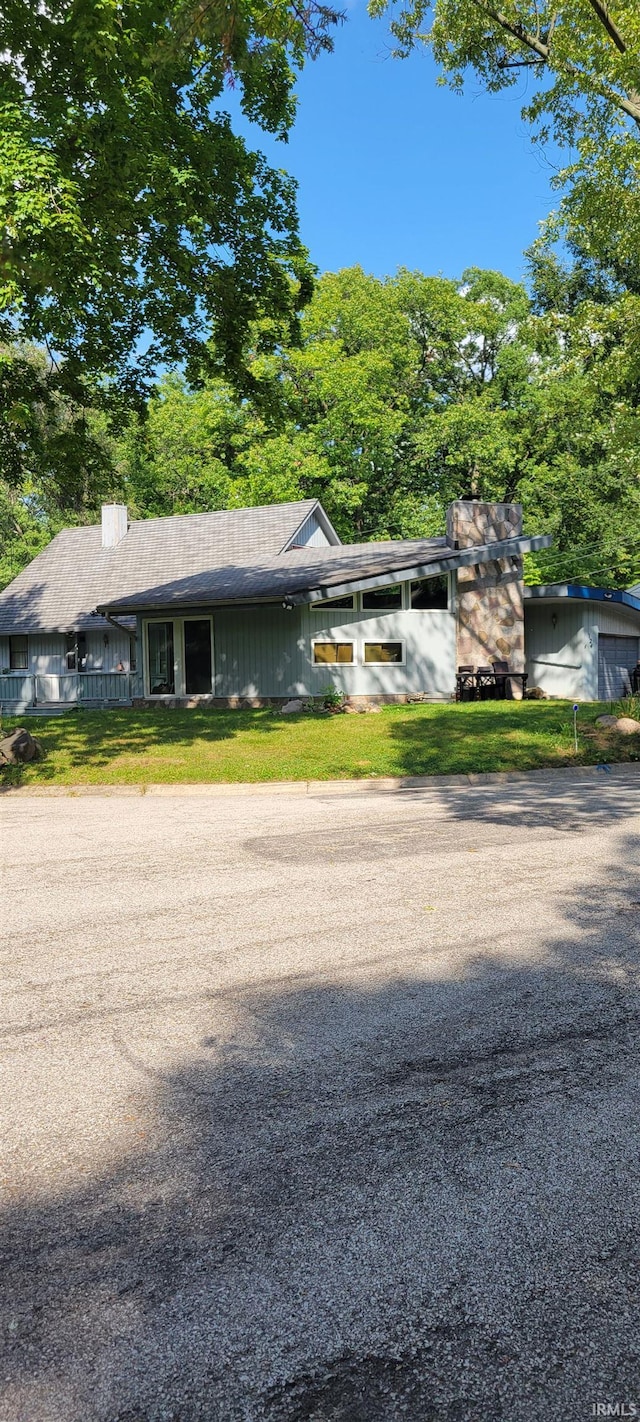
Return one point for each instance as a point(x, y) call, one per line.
point(617, 657)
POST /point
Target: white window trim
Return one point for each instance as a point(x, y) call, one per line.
point(450, 594)
point(326, 603)
point(334, 642)
point(179, 668)
point(380, 642)
point(385, 611)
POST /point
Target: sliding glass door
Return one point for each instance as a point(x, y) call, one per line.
point(179, 657)
point(197, 656)
point(162, 675)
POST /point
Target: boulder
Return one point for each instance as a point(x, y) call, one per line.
point(372, 710)
point(535, 693)
point(19, 747)
point(626, 726)
point(290, 708)
point(607, 721)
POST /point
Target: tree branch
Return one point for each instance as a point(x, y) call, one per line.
point(612, 29)
point(628, 103)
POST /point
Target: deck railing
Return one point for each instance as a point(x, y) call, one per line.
point(69, 688)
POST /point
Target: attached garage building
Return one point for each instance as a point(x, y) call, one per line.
point(582, 643)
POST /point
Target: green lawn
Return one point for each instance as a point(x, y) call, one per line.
point(146, 747)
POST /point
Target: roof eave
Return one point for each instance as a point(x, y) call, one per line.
point(558, 592)
point(460, 558)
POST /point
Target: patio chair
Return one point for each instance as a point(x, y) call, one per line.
point(486, 683)
point(503, 674)
point(465, 683)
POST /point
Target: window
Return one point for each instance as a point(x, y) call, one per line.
point(330, 653)
point(132, 654)
point(430, 592)
point(162, 680)
point(197, 656)
point(381, 652)
point(76, 651)
point(387, 598)
point(18, 653)
point(333, 602)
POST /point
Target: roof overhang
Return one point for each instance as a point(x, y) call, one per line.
point(446, 560)
point(457, 558)
point(557, 592)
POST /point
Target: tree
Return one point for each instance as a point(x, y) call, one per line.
point(402, 394)
point(582, 58)
point(345, 415)
point(135, 224)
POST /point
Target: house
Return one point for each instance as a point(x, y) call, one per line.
point(261, 604)
point(582, 643)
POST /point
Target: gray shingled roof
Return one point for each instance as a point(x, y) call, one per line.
point(207, 559)
point(292, 573)
point(59, 590)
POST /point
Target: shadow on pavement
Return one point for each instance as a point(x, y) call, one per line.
point(417, 1200)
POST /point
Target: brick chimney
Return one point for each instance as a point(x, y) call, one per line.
point(114, 524)
point(489, 602)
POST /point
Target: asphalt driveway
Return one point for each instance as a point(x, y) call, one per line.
point(321, 1107)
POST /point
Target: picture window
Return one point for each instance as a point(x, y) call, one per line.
point(381, 653)
point(333, 653)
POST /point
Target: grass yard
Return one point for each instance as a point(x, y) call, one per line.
point(130, 747)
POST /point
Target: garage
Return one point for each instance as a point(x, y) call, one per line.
point(617, 658)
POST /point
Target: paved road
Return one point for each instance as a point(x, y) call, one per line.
point(322, 1108)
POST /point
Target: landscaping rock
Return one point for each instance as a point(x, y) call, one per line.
point(626, 726)
point(291, 707)
point(350, 710)
point(535, 693)
point(19, 747)
point(622, 725)
point(372, 710)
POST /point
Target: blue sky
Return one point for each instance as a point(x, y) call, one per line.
point(395, 171)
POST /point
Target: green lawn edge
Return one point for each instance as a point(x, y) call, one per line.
point(144, 747)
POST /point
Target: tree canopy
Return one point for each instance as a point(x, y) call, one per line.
point(400, 395)
point(136, 227)
point(580, 60)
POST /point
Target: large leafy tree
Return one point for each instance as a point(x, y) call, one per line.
point(134, 223)
point(408, 392)
point(401, 395)
point(582, 61)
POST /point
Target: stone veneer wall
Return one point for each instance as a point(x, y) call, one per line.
point(490, 607)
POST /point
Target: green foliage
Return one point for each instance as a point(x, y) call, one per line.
point(331, 698)
point(629, 706)
point(582, 62)
point(134, 222)
point(401, 395)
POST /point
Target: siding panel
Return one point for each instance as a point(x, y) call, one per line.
point(563, 660)
point(311, 535)
point(267, 652)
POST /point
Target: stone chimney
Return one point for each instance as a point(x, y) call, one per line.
point(114, 524)
point(489, 602)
